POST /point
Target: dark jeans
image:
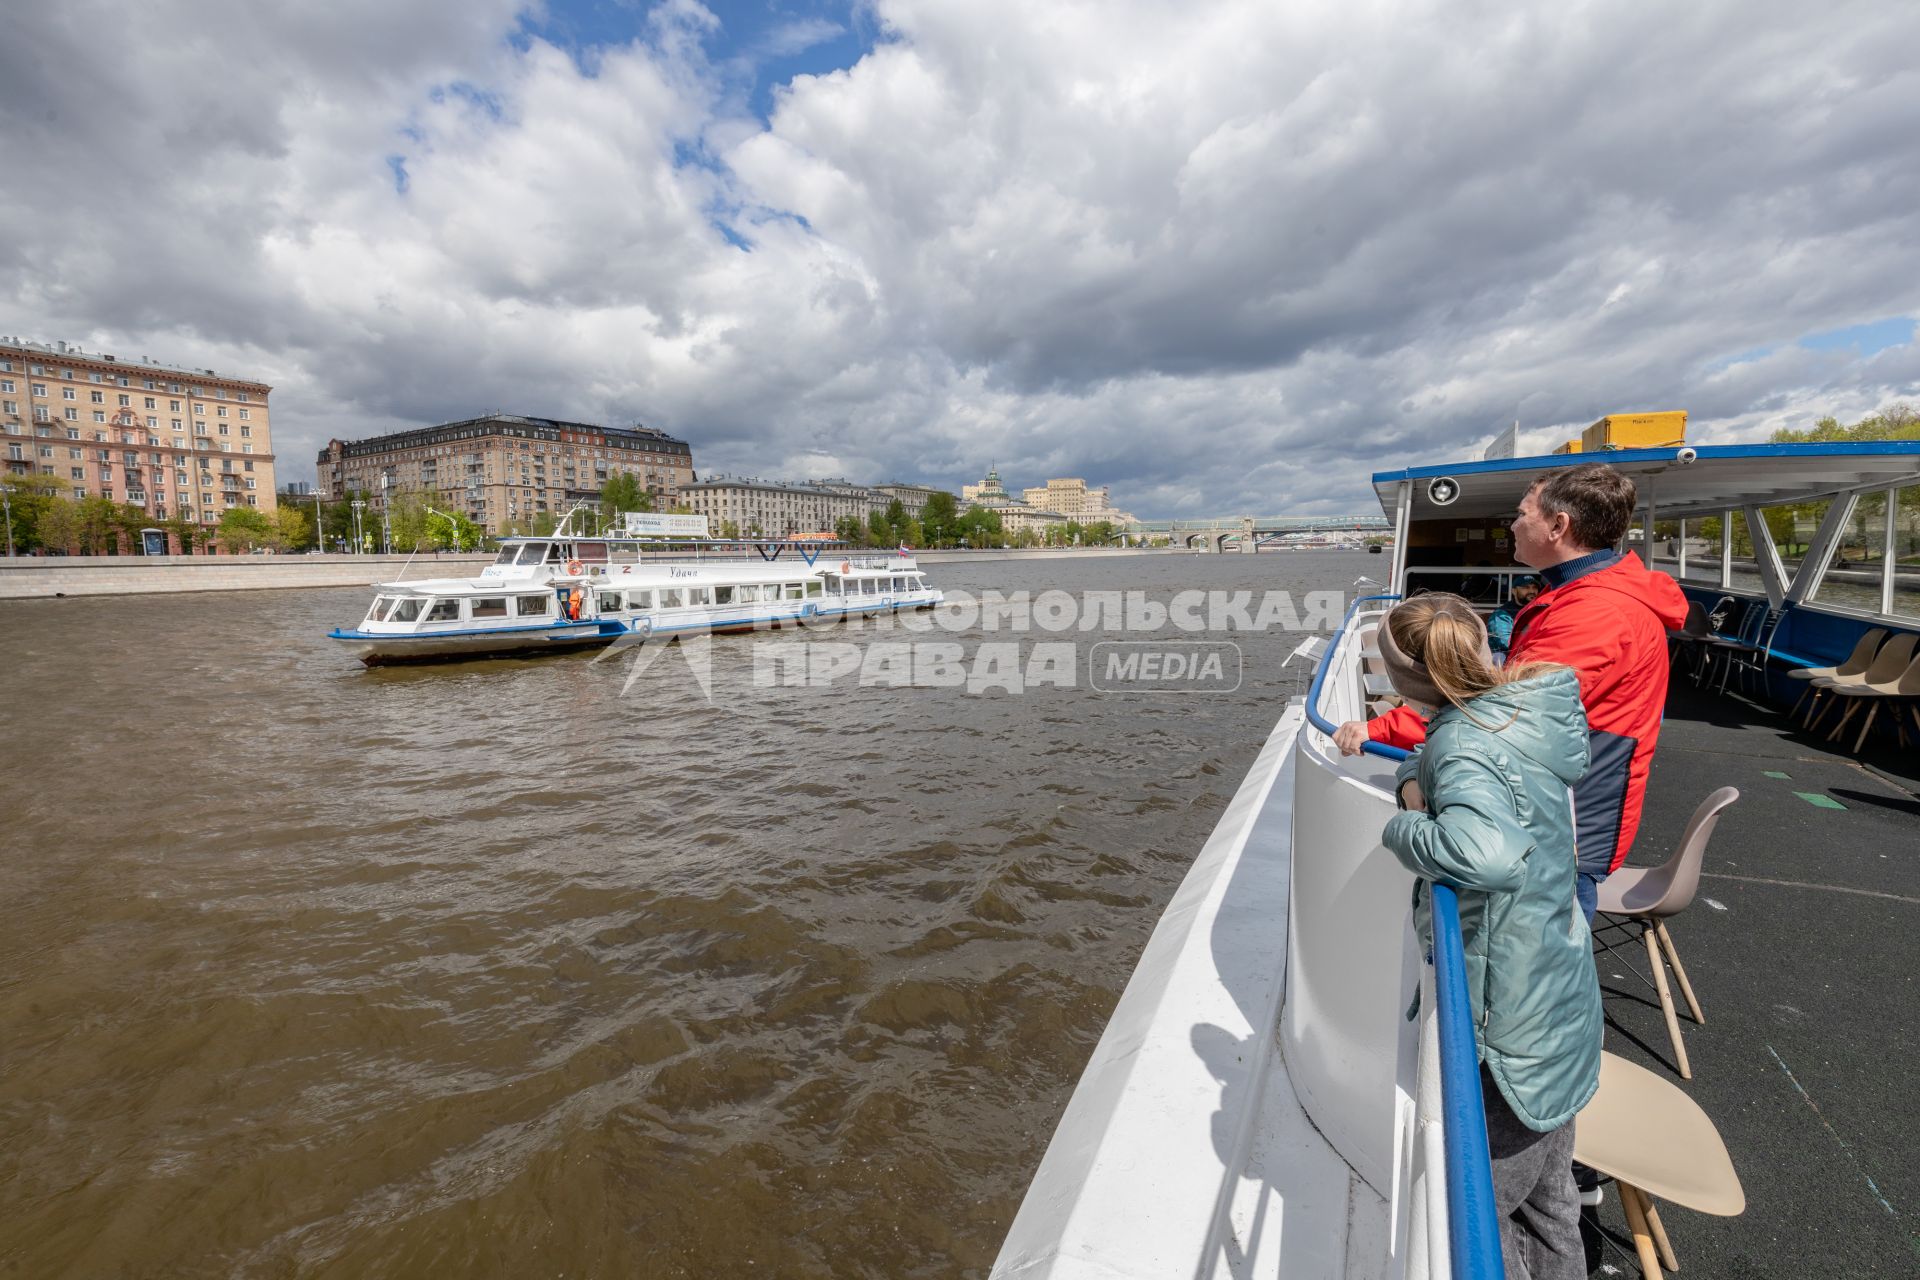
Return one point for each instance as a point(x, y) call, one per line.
point(1586, 889)
point(1533, 1194)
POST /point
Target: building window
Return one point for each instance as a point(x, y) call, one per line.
point(243, 398)
point(126, 402)
point(99, 415)
point(79, 473)
point(200, 409)
point(68, 393)
point(221, 411)
point(72, 415)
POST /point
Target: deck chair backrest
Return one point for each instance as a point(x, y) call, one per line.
point(1696, 626)
point(1681, 872)
point(1909, 686)
point(1862, 656)
point(1891, 662)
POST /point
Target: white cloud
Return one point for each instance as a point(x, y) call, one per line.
point(1227, 257)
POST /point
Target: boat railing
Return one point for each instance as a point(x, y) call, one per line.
point(1473, 1238)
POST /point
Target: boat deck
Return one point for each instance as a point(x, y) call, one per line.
point(1802, 950)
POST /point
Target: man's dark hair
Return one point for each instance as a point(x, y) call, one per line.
point(1597, 499)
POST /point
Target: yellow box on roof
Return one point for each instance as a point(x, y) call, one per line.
point(1636, 431)
point(1570, 446)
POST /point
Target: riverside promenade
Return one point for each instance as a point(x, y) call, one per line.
point(51, 577)
point(47, 577)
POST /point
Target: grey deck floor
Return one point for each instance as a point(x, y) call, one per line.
point(1802, 947)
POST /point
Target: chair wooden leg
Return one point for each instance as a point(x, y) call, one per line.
point(1795, 713)
point(1657, 1230)
point(1816, 711)
point(1861, 741)
point(1673, 960)
point(1853, 705)
point(1642, 1231)
point(1666, 1002)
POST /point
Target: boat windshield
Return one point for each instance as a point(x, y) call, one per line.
point(507, 554)
point(533, 552)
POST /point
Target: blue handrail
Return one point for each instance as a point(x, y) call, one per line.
point(1473, 1231)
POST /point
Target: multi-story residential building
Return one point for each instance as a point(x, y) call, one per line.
point(913, 497)
point(505, 471)
point(183, 443)
point(777, 508)
point(1075, 500)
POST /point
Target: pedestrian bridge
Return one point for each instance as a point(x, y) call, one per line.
point(1249, 533)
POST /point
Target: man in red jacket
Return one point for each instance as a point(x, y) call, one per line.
point(1605, 615)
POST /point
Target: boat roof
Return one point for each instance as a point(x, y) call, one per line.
point(1717, 477)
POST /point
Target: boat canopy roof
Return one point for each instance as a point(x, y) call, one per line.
point(1718, 477)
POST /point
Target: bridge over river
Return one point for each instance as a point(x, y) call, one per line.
point(1250, 533)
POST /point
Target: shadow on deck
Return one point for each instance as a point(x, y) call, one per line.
point(1802, 949)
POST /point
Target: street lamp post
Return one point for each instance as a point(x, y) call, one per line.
point(319, 524)
point(359, 505)
point(6, 501)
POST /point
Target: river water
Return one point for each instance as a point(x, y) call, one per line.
point(519, 968)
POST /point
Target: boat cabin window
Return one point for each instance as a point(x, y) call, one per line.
point(815, 588)
point(539, 606)
point(746, 595)
point(532, 553)
point(639, 599)
point(671, 598)
point(489, 607)
point(380, 606)
point(444, 611)
point(723, 595)
point(832, 581)
point(699, 595)
point(406, 610)
point(507, 553)
point(610, 601)
point(591, 553)
point(555, 553)
point(794, 591)
point(870, 586)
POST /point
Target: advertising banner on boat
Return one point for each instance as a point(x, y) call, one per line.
point(650, 524)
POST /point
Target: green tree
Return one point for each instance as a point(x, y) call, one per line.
point(979, 527)
point(1099, 533)
point(59, 530)
point(453, 531)
point(939, 518)
point(729, 528)
point(28, 501)
point(293, 527)
point(1898, 421)
point(244, 528)
point(896, 515)
point(543, 523)
point(406, 518)
point(622, 493)
point(878, 531)
point(913, 535)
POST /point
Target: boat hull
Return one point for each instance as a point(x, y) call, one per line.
point(392, 649)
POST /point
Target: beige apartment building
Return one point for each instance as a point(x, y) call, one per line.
point(505, 471)
point(181, 442)
point(1076, 501)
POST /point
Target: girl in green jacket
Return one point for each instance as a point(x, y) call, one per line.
point(1489, 812)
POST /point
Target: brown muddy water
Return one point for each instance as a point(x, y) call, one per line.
point(488, 970)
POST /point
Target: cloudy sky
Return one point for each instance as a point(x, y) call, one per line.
point(1223, 257)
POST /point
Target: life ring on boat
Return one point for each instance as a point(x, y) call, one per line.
point(573, 568)
point(845, 568)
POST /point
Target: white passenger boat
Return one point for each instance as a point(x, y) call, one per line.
point(1262, 1101)
point(544, 594)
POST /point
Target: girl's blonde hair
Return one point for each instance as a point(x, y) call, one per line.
point(1444, 634)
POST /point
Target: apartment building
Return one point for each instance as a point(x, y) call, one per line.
point(776, 508)
point(181, 442)
point(1075, 500)
point(505, 471)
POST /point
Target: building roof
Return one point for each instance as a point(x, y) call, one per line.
point(509, 424)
